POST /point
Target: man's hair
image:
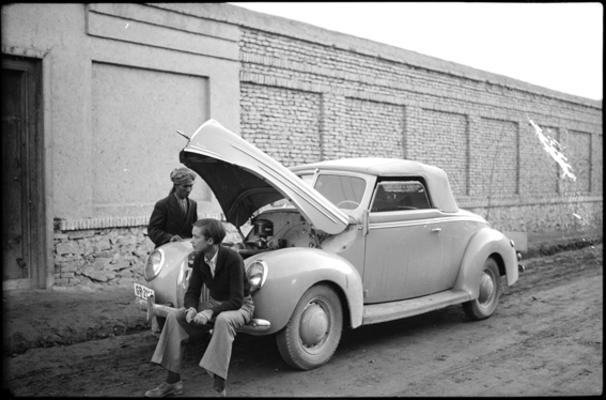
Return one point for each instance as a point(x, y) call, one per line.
point(211, 228)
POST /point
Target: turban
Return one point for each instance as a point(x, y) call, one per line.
point(182, 176)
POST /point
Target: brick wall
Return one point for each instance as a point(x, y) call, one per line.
point(475, 128)
point(538, 174)
point(448, 134)
point(283, 122)
point(495, 163)
point(372, 128)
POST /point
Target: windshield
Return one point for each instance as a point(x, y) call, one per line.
point(343, 191)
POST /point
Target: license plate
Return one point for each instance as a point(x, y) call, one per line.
point(143, 292)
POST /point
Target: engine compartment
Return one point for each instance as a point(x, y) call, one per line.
point(277, 229)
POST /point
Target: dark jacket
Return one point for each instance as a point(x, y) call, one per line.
point(168, 219)
point(228, 286)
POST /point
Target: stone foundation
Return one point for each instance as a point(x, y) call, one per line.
point(116, 256)
point(92, 252)
point(113, 256)
point(575, 217)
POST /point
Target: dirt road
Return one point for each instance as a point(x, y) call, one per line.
point(545, 339)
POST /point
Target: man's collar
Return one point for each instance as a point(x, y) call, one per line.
point(213, 259)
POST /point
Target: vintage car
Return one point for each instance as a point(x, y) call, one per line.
point(336, 244)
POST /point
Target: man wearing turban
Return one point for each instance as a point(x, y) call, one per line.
point(174, 215)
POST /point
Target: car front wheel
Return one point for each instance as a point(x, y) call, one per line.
point(488, 294)
point(313, 332)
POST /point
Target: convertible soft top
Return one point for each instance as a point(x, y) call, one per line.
point(435, 178)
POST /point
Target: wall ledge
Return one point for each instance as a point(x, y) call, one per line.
point(78, 224)
point(474, 202)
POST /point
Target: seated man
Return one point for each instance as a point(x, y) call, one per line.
point(230, 306)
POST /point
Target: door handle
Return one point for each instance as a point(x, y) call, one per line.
point(436, 230)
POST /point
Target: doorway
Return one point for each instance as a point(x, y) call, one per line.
point(23, 199)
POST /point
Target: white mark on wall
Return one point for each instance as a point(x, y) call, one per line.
point(551, 146)
point(580, 219)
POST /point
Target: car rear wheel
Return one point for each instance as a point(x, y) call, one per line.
point(488, 294)
point(314, 330)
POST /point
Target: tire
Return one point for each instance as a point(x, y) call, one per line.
point(488, 293)
point(313, 332)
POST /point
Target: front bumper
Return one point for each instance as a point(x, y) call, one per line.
point(256, 326)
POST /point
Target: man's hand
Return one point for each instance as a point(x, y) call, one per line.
point(190, 314)
point(203, 317)
point(176, 238)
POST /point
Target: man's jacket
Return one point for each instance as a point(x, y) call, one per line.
point(229, 284)
point(168, 219)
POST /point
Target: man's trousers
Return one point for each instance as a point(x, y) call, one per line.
point(216, 358)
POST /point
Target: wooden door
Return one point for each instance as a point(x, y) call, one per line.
point(22, 193)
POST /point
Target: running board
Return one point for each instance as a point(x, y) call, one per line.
point(375, 313)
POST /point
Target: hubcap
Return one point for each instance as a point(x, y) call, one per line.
point(487, 288)
point(314, 325)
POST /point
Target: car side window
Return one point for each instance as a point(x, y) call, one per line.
point(400, 195)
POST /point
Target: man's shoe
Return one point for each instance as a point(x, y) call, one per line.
point(219, 386)
point(165, 389)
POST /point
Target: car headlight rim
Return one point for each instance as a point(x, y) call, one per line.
point(154, 264)
point(256, 275)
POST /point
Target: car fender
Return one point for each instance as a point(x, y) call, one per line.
point(482, 245)
point(292, 271)
point(170, 284)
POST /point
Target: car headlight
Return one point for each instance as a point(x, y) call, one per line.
point(154, 264)
point(256, 274)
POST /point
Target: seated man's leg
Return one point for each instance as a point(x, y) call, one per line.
point(175, 331)
point(218, 353)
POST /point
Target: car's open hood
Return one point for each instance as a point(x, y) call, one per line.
point(243, 178)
